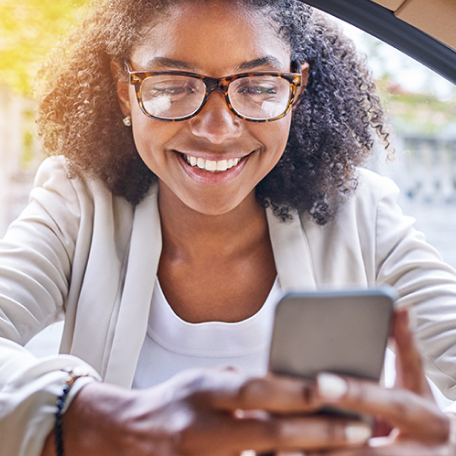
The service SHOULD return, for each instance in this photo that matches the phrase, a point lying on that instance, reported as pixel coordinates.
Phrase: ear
(302, 87)
(122, 86)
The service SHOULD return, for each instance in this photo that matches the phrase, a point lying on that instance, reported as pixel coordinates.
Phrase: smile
(211, 165)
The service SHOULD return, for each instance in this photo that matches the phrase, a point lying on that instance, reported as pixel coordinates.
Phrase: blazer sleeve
(425, 284)
(35, 271)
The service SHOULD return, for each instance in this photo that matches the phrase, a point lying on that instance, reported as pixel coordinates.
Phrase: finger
(271, 434)
(409, 365)
(387, 447)
(230, 390)
(273, 393)
(414, 415)
(381, 428)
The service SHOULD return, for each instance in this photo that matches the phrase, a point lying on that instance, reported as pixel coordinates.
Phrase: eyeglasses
(177, 95)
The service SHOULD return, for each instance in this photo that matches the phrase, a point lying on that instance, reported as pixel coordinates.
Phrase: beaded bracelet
(72, 377)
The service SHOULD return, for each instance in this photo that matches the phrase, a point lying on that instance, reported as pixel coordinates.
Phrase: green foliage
(417, 113)
(29, 29)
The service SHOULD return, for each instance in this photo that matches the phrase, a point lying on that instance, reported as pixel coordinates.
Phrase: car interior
(422, 29)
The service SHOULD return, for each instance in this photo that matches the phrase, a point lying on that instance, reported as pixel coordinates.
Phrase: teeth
(212, 165)
(222, 165)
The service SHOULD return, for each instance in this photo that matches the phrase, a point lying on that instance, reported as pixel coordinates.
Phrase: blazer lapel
(131, 325)
(291, 253)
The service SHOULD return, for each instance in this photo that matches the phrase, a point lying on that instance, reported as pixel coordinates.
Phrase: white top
(172, 344)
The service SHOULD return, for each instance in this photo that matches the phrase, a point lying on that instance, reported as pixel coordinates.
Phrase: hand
(203, 412)
(419, 427)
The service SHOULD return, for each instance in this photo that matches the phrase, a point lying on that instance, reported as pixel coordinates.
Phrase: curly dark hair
(332, 129)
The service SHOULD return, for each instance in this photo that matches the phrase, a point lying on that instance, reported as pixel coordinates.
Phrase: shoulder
(373, 196)
(367, 219)
(54, 175)
(372, 187)
(360, 206)
(368, 211)
(375, 201)
(372, 193)
(57, 188)
(56, 182)
(76, 201)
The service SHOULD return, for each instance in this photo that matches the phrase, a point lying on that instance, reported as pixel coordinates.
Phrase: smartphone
(343, 332)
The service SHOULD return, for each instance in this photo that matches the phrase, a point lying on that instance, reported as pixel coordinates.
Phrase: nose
(216, 122)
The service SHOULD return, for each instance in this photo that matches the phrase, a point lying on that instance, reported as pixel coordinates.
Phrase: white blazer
(81, 253)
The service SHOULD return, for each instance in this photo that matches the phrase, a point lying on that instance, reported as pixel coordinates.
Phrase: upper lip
(215, 156)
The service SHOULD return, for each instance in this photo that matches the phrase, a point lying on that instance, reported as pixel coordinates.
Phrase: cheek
(276, 137)
(146, 143)
(151, 137)
(147, 134)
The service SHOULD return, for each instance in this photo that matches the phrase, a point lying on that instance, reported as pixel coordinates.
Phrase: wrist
(92, 421)
(74, 383)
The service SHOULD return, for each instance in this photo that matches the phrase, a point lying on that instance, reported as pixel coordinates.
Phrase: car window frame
(384, 25)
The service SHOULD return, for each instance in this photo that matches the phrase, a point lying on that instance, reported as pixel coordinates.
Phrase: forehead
(213, 37)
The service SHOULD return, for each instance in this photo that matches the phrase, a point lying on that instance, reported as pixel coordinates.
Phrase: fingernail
(357, 433)
(331, 386)
(248, 453)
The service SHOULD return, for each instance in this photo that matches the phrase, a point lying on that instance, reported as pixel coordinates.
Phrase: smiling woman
(208, 156)
(323, 112)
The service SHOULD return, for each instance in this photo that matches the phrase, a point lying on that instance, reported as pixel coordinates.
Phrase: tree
(29, 29)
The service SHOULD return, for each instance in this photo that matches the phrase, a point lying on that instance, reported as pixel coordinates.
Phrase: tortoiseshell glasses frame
(137, 78)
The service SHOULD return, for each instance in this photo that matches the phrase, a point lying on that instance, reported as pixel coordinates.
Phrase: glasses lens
(172, 96)
(260, 97)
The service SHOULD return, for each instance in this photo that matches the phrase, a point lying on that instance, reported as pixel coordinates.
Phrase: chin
(213, 207)
(211, 210)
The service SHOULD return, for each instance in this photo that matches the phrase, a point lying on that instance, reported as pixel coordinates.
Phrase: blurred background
(420, 106)
(29, 29)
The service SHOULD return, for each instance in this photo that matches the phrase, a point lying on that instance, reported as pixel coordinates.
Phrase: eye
(174, 88)
(171, 89)
(257, 89)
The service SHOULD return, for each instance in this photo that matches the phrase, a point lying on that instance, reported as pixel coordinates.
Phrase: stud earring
(127, 121)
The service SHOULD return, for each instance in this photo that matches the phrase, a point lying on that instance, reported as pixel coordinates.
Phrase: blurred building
(20, 154)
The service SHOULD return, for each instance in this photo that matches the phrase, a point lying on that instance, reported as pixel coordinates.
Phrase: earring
(127, 121)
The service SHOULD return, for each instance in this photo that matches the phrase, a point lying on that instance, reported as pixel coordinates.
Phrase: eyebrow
(268, 61)
(164, 62)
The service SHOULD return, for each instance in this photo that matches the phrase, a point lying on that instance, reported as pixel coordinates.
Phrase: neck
(190, 234)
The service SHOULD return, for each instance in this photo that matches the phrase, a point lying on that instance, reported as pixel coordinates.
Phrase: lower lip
(212, 178)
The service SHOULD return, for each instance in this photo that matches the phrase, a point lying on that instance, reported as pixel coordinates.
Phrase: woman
(176, 201)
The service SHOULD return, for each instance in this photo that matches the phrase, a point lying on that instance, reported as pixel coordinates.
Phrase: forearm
(95, 423)
(28, 391)
(425, 284)
(49, 445)
(193, 414)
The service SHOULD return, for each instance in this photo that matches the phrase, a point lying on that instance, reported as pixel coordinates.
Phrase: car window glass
(420, 109)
